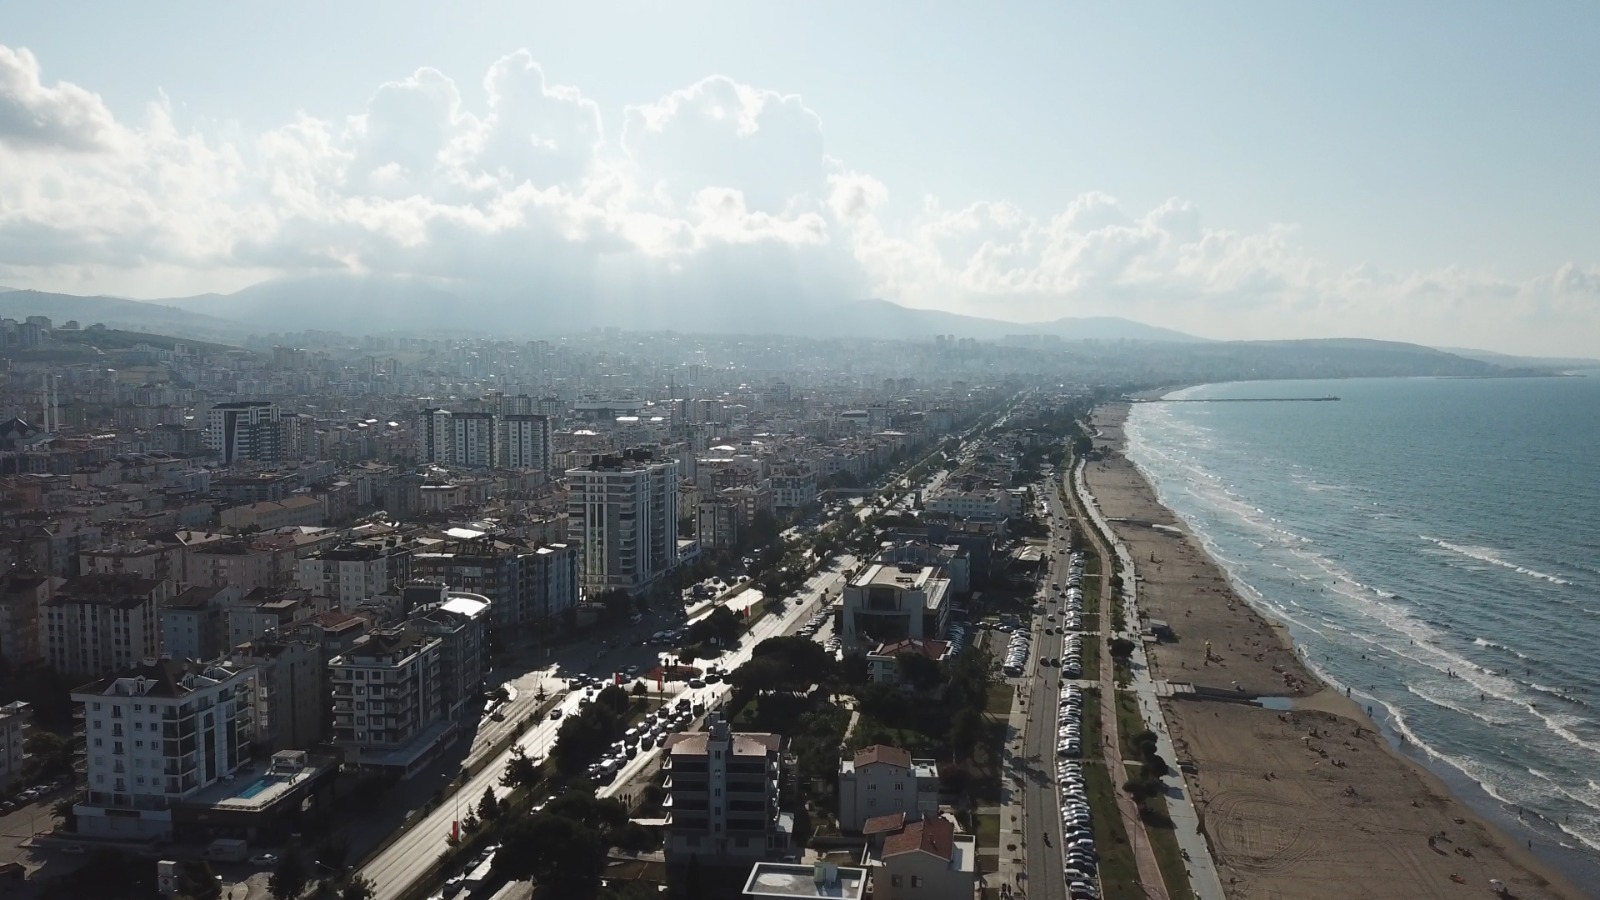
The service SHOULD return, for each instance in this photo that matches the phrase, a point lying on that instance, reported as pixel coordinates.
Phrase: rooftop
(769, 879)
(933, 836)
(697, 743)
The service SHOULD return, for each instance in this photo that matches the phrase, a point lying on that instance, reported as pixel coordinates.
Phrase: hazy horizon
(1419, 174)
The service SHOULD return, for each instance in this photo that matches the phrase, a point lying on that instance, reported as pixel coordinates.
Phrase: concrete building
(16, 718)
(271, 515)
(388, 714)
(461, 623)
(194, 623)
(883, 666)
(794, 487)
(525, 442)
(924, 860)
(98, 624)
(880, 781)
(887, 603)
(526, 587)
(155, 734)
(622, 513)
(22, 597)
(793, 881)
(474, 439)
(350, 574)
(724, 815)
(435, 436)
(289, 691)
(246, 431)
(261, 613)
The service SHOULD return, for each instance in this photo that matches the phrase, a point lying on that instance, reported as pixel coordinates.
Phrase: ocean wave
(1502, 648)
(1559, 694)
(1492, 557)
(1451, 705)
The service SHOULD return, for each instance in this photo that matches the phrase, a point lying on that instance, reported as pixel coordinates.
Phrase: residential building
(234, 563)
(525, 442)
(794, 487)
(156, 733)
(435, 436)
(194, 623)
(474, 439)
(923, 860)
(332, 632)
(461, 623)
(22, 596)
(883, 661)
(98, 624)
(881, 780)
(352, 573)
(288, 691)
(387, 711)
(886, 603)
(273, 514)
(262, 612)
(622, 513)
(16, 718)
(793, 881)
(717, 522)
(247, 431)
(525, 587)
(723, 787)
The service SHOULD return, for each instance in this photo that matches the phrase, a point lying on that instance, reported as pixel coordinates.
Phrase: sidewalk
(1203, 878)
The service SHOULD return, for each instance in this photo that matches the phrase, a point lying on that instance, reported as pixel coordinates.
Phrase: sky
(1425, 171)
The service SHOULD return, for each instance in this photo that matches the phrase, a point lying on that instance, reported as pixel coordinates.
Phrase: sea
(1432, 544)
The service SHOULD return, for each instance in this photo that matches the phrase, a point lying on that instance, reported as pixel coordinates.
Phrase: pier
(1241, 400)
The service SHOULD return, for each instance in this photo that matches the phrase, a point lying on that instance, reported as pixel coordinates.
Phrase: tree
(521, 771)
(359, 887)
(564, 856)
(196, 881)
(289, 880)
(917, 670)
(1121, 648)
(639, 690)
(721, 626)
(488, 807)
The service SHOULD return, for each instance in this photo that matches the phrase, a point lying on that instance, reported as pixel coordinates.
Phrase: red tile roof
(882, 753)
(935, 836)
(884, 824)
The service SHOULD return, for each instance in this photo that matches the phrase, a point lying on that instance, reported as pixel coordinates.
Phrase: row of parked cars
(1079, 861)
(817, 620)
(650, 734)
(30, 794)
(1016, 654)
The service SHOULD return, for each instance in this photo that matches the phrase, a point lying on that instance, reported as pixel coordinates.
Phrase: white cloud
(715, 196)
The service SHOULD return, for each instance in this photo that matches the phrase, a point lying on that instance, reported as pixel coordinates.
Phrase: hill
(117, 313)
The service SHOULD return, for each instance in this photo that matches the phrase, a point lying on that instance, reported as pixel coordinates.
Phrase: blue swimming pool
(256, 787)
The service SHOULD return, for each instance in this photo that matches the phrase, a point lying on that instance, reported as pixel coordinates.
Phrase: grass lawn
(1000, 700)
(1091, 722)
(1091, 658)
(1169, 857)
(988, 830)
(1129, 723)
(1091, 588)
(1119, 874)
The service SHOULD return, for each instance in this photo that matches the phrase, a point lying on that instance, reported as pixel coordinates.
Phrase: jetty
(1237, 400)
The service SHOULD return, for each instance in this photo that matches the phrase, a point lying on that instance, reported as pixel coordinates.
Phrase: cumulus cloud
(716, 199)
(36, 117)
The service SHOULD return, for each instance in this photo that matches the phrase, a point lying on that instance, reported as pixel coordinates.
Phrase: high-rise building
(15, 720)
(157, 733)
(99, 624)
(622, 513)
(435, 436)
(250, 430)
(289, 697)
(525, 441)
(474, 439)
(388, 713)
(725, 816)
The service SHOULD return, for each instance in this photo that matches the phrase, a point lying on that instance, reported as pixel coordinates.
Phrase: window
(916, 881)
(899, 785)
(897, 881)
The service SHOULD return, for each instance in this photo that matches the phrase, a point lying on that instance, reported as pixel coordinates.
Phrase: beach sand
(1309, 803)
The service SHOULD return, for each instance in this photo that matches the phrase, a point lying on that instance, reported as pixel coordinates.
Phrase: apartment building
(262, 612)
(194, 623)
(246, 431)
(461, 623)
(794, 487)
(98, 624)
(156, 733)
(388, 713)
(270, 515)
(435, 436)
(724, 789)
(473, 440)
(923, 860)
(289, 691)
(233, 563)
(16, 718)
(883, 661)
(524, 442)
(525, 586)
(22, 597)
(622, 514)
(887, 603)
(880, 781)
(352, 573)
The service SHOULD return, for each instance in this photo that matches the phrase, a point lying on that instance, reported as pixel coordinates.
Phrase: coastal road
(1203, 878)
(1041, 807)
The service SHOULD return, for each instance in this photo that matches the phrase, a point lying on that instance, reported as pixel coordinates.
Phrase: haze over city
(1421, 174)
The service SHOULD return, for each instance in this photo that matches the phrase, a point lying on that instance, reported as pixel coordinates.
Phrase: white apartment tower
(158, 733)
(249, 430)
(622, 513)
(435, 436)
(99, 624)
(474, 439)
(525, 441)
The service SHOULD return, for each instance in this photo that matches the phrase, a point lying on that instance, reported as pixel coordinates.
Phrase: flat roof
(789, 880)
(259, 788)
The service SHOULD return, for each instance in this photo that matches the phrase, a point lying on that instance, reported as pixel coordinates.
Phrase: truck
(228, 850)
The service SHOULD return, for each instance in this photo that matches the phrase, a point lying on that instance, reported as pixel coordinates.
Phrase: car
(264, 859)
(73, 849)
(696, 683)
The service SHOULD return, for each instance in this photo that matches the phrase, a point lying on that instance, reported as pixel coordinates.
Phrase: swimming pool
(256, 787)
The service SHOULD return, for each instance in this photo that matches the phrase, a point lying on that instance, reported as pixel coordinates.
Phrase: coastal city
(626, 615)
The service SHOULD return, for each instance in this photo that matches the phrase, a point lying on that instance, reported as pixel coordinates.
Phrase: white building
(388, 713)
(794, 487)
(723, 788)
(461, 623)
(972, 504)
(157, 734)
(15, 720)
(924, 860)
(525, 442)
(473, 441)
(99, 624)
(882, 781)
(351, 574)
(887, 603)
(247, 430)
(622, 514)
(435, 436)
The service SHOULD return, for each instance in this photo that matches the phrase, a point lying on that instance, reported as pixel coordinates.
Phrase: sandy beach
(1309, 802)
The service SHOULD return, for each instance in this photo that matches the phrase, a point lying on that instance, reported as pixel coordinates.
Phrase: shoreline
(1313, 801)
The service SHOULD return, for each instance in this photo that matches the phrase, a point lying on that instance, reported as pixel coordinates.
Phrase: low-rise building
(887, 603)
(923, 860)
(883, 661)
(881, 780)
(271, 514)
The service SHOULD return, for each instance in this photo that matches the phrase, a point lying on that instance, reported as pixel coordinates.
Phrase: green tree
(289, 880)
(564, 856)
(521, 770)
(359, 887)
(488, 807)
(917, 670)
